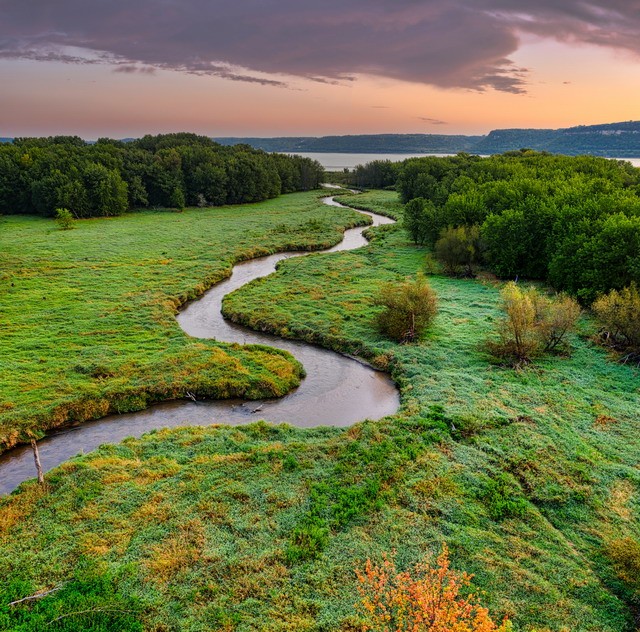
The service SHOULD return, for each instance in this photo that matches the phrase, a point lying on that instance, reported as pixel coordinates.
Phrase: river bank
(337, 390)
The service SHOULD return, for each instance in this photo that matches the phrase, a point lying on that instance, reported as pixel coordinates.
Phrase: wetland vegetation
(88, 313)
(529, 476)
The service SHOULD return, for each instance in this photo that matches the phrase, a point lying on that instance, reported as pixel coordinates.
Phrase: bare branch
(37, 595)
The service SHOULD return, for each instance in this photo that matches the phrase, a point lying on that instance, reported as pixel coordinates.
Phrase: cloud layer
(447, 43)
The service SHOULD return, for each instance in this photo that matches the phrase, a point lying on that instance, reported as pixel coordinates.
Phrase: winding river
(338, 390)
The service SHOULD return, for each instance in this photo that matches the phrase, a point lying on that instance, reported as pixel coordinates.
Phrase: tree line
(40, 175)
(571, 221)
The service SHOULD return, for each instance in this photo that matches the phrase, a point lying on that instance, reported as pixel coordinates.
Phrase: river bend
(337, 391)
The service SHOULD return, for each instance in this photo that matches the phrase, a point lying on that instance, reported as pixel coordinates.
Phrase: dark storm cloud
(448, 43)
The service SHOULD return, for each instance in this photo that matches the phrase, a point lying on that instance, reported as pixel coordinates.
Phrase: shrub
(64, 219)
(409, 308)
(625, 556)
(307, 541)
(459, 249)
(555, 318)
(619, 313)
(518, 339)
(426, 598)
(533, 324)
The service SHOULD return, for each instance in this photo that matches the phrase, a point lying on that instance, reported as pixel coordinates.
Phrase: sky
(122, 68)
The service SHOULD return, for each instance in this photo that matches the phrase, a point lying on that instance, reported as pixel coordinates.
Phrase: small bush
(518, 339)
(459, 250)
(64, 219)
(290, 463)
(555, 318)
(307, 542)
(409, 309)
(625, 557)
(533, 324)
(619, 314)
(425, 598)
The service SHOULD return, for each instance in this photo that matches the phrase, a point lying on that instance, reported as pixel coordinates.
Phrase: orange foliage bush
(427, 600)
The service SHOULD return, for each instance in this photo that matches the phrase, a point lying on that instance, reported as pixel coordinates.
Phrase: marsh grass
(222, 527)
(260, 527)
(87, 315)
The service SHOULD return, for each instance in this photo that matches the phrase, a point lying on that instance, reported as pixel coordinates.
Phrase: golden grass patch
(176, 552)
(16, 508)
(620, 495)
(604, 421)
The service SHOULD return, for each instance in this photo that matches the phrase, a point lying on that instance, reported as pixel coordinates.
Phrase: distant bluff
(612, 139)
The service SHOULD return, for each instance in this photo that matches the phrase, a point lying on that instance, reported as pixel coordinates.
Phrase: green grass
(87, 314)
(195, 528)
(329, 299)
(531, 477)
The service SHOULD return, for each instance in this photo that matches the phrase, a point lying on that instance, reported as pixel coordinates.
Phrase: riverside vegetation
(529, 476)
(41, 175)
(88, 314)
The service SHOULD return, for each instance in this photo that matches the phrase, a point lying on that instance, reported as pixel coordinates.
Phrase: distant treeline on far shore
(616, 140)
(41, 175)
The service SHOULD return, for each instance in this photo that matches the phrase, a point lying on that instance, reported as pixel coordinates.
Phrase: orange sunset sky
(297, 68)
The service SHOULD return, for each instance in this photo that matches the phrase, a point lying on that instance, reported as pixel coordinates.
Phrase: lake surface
(337, 391)
(338, 162)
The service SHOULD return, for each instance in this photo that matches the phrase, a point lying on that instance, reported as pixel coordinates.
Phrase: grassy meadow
(531, 477)
(87, 315)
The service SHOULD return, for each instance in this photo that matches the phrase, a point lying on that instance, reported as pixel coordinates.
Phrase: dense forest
(571, 221)
(40, 175)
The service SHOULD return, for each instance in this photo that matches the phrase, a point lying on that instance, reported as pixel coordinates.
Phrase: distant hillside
(613, 139)
(617, 140)
(621, 140)
(365, 143)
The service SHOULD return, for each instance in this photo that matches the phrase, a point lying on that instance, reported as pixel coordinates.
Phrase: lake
(338, 162)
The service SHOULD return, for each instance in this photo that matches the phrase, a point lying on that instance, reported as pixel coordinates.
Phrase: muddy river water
(337, 391)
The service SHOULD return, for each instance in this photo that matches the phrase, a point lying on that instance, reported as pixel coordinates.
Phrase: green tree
(106, 191)
(176, 199)
(409, 308)
(595, 257)
(459, 250)
(46, 192)
(420, 221)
